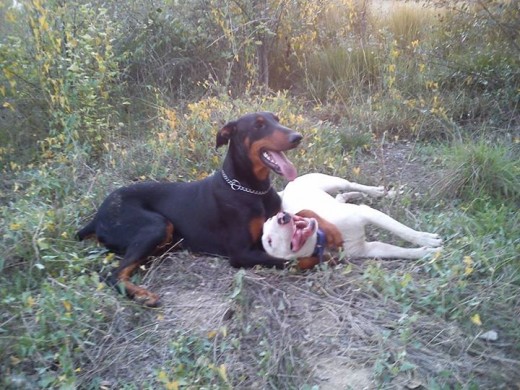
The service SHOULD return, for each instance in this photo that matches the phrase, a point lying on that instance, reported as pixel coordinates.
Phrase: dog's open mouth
(279, 164)
(303, 228)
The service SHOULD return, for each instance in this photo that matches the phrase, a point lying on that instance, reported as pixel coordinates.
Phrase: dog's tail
(87, 231)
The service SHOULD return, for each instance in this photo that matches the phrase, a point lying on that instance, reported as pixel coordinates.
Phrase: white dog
(291, 237)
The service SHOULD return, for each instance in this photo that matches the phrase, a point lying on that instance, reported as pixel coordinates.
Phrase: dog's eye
(260, 122)
(269, 241)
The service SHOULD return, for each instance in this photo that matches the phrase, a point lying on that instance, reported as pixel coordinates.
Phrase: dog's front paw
(377, 192)
(388, 193)
(147, 298)
(430, 240)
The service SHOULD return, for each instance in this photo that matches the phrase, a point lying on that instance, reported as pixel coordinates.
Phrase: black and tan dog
(222, 214)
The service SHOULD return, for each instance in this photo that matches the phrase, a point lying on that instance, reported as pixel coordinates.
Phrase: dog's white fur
(313, 192)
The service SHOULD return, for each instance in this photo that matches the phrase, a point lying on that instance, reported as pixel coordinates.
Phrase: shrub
(69, 72)
(339, 73)
(481, 169)
(407, 22)
(476, 58)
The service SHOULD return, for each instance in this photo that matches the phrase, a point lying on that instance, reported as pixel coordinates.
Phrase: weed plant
(481, 170)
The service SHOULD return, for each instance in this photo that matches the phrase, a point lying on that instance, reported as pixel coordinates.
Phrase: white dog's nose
(283, 218)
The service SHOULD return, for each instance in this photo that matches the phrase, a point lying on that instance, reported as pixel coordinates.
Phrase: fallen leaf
(476, 319)
(67, 305)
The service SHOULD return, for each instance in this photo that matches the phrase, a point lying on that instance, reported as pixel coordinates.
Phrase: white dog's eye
(269, 241)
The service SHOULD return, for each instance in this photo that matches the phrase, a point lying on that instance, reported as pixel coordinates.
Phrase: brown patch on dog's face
(266, 154)
(263, 140)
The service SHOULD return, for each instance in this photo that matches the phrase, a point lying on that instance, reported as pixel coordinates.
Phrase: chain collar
(236, 186)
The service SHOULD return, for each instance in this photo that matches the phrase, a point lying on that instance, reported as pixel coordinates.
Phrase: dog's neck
(237, 186)
(239, 175)
(319, 249)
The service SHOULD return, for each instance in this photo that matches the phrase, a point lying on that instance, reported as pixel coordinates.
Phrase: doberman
(222, 214)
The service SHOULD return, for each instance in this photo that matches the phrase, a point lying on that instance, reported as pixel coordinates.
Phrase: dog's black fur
(208, 215)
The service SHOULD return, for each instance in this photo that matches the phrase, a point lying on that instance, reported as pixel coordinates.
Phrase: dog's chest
(298, 198)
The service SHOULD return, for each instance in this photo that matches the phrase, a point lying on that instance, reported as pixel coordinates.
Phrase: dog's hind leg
(386, 222)
(383, 250)
(145, 243)
(332, 184)
(88, 231)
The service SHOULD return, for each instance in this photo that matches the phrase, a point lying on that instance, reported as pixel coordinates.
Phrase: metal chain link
(236, 186)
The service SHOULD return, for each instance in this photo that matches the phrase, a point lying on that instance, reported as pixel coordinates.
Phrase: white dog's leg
(386, 222)
(331, 184)
(346, 197)
(383, 250)
(374, 192)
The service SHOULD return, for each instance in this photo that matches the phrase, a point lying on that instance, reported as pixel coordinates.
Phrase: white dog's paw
(377, 192)
(430, 251)
(347, 197)
(390, 194)
(431, 240)
(380, 192)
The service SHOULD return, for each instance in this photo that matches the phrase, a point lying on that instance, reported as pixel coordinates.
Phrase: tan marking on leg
(137, 293)
(168, 236)
(312, 261)
(255, 228)
(307, 262)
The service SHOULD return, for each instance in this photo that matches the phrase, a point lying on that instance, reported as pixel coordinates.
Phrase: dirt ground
(288, 329)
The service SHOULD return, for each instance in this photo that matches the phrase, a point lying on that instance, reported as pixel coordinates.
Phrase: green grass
(481, 169)
(407, 23)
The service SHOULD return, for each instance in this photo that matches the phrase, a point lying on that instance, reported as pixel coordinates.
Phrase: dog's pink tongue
(304, 228)
(287, 168)
(297, 240)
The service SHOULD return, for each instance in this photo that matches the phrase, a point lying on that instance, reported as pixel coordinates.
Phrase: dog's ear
(225, 133)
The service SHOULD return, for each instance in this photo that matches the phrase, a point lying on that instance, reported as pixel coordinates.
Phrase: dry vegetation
(334, 328)
(288, 330)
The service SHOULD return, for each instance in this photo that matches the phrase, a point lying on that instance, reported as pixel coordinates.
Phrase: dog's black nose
(295, 138)
(284, 218)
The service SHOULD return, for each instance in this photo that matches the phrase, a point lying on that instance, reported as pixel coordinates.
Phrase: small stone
(490, 335)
